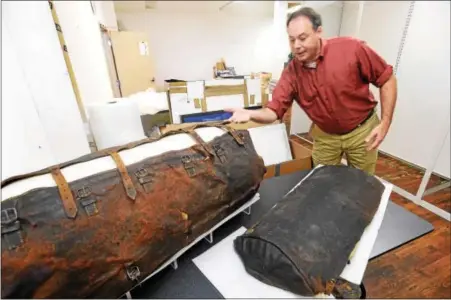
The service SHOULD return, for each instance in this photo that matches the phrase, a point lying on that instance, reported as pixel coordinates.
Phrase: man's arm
(388, 94)
(283, 94)
(264, 115)
(375, 70)
(241, 115)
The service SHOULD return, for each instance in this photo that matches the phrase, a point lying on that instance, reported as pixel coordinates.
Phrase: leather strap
(106, 152)
(277, 170)
(200, 141)
(126, 180)
(70, 207)
(329, 286)
(236, 136)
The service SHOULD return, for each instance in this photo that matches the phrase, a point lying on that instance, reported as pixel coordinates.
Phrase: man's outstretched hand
(240, 115)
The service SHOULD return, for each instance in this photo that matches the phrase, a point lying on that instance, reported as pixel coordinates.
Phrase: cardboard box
(221, 88)
(237, 126)
(302, 160)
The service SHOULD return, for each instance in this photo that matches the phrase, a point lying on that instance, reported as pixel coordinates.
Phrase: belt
(363, 122)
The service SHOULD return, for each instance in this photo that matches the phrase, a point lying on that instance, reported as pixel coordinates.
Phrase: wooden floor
(421, 268)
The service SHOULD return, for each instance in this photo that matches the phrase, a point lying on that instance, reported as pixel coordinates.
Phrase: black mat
(398, 227)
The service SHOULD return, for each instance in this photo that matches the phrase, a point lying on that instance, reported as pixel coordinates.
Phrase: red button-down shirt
(335, 95)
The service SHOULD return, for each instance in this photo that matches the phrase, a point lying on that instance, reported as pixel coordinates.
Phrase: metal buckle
(133, 273)
(220, 152)
(10, 228)
(188, 165)
(84, 192)
(89, 204)
(9, 220)
(186, 159)
(8, 216)
(141, 173)
(144, 178)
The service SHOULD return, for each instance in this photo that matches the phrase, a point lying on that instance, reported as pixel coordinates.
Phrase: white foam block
(224, 269)
(116, 123)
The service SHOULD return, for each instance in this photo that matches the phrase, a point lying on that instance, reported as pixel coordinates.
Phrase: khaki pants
(328, 149)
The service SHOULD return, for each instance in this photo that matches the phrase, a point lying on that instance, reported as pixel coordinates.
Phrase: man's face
(304, 40)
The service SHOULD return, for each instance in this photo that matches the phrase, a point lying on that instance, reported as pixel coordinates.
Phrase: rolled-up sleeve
(283, 94)
(373, 67)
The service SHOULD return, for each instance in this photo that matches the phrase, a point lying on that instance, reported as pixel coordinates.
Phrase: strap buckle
(220, 153)
(144, 178)
(133, 273)
(189, 165)
(8, 216)
(89, 203)
(10, 228)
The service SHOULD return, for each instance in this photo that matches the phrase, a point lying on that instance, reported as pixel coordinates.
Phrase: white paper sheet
(271, 143)
(356, 269)
(195, 89)
(182, 105)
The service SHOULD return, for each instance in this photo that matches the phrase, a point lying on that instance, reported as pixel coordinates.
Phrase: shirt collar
(323, 44)
(313, 64)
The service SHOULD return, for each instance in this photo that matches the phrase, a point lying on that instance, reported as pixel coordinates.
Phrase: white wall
(41, 124)
(443, 163)
(187, 45)
(422, 115)
(331, 15)
(24, 144)
(349, 19)
(84, 43)
(105, 14)
(423, 112)
(281, 47)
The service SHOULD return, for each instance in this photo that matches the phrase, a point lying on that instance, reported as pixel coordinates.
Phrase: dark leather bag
(304, 242)
(97, 237)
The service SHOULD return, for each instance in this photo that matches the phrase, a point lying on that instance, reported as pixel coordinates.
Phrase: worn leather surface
(303, 243)
(112, 235)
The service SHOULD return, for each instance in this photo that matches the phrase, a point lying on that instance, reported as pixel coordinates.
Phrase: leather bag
(304, 242)
(101, 235)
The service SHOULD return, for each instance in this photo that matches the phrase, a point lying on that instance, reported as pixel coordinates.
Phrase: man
(329, 79)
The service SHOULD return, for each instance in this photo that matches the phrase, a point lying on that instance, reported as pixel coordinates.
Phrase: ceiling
(255, 7)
